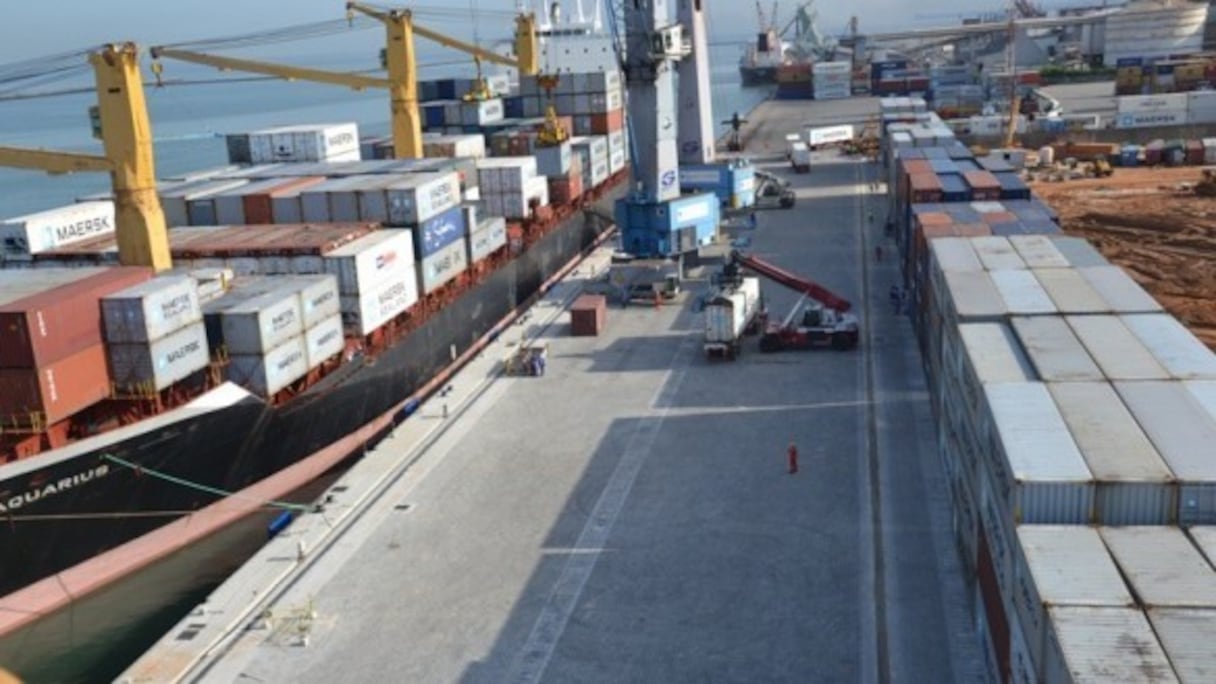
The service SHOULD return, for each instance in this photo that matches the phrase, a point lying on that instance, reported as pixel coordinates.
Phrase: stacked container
(377, 279)
(510, 184)
(486, 237)
(155, 335)
(22, 236)
(592, 152)
(832, 80)
(595, 100)
(306, 143)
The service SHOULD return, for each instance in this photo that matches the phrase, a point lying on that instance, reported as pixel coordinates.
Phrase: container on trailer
(160, 363)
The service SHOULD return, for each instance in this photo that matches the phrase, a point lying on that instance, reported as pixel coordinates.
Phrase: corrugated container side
(1105, 644)
(262, 322)
(324, 340)
(267, 375)
(1056, 353)
(1186, 636)
(151, 310)
(161, 363)
(370, 260)
(441, 267)
(490, 236)
(373, 307)
(318, 297)
(1173, 346)
(56, 390)
(1116, 351)
(439, 231)
(1162, 566)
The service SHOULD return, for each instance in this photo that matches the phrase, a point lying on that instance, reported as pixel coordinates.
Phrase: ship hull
(105, 504)
(757, 75)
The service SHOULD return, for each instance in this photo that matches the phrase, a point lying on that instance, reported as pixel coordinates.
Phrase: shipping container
(1163, 568)
(1053, 349)
(324, 340)
(1038, 251)
(369, 261)
(973, 296)
(139, 367)
(280, 206)
(1181, 431)
(1116, 351)
(268, 374)
(1133, 486)
(318, 296)
(176, 202)
(150, 310)
(1122, 293)
(1186, 636)
(1079, 252)
(54, 228)
(43, 327)
(257, 319)
(55, 390)
(305, 143)
(1021, 292)
(1173, 346)
(441, 267)
(421, 197)
(1069, 292)
(1103, 644)
(439, 231)
(380, 302)
(993, 354)
(509, 174)
(490, 236)
(553, 160)
(996, 253)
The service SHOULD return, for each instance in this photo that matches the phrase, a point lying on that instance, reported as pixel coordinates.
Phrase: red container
(258, 206)
(588, 314)
(994, 217)
(284, 239)
(55, 391)
(1194, 152)
(984, 186)
(603, 124)
(924, 187)
(565, 189)
(41, 329)
(973, 229)
(1153, 152)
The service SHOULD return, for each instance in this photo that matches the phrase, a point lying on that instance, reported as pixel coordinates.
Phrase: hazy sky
(32, 29)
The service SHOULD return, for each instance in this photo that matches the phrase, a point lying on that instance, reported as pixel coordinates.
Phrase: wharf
(629, 517)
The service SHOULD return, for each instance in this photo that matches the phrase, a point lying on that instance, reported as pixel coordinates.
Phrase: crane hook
(157, 69)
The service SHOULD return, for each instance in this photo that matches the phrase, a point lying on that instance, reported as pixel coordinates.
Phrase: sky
(33, 29)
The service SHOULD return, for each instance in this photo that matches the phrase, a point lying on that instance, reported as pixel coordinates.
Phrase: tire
(769, 344)
(840, 342)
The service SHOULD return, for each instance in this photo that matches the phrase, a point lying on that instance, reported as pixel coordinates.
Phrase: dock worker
(751, 220)
(792, 455)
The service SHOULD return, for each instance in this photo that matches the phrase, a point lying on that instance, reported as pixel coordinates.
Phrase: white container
(54, 228)
(1173, 117)
(482, 112)
(1209, 147)
(993, 354)
(1069, 292)
(1182, 432)
(729, 311)
(1129, 104)
(1038, 251)
(159, 364)
(344, 204)
(371, 260)
(1061, 565)
(490, 236)
(322, 142)
(954, 254)
(422, 196)
(537, 189)
(314, 200)
(1173, 346)
(262, 322)
(1162, 566)
(996, 253)
(176, 202)
(501, 175)
(1056, 353)
(974, 297)
(1022, 293)
(1079, 252)
(1091, 644)
(597, 81)
(318, 296)
(267, 375)
(1038, 470)
(468, 145)
(603, 103)
(324, 340)
(1047, 155)
(1120, 291)
(371, 308)
(1186, 636)
(616, 161)
(442, 266)
(1116, 351)
(553, 160)
(151, 309)
(1133, 485)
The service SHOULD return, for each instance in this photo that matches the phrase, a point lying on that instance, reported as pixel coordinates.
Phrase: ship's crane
(825, 319)
(400, 62)
(126, 135)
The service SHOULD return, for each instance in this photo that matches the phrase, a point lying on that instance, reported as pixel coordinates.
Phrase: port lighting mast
(126, 134)
(696, 100)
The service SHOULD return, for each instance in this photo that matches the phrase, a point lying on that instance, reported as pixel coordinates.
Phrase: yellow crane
(400, 62)
(126, 135)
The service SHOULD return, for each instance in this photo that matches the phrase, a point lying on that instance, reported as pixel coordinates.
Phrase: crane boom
(291, 73)
(51, 161)
(794, 282)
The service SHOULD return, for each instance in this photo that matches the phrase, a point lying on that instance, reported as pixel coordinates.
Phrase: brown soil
(1149, 222)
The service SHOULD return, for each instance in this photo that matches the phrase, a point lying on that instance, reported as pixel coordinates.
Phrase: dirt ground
(1149, 222)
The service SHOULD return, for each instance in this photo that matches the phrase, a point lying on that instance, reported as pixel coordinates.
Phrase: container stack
(489, 235)
(595, 100)
(510, 184)
(832, 80)
(154, 334)
(52, 356)
(310, 143)
(435, 145)
(23, 236)
(592, 152)
(377, 279)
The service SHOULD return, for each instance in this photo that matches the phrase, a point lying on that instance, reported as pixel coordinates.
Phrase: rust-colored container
(924, 187)
(972, 229)
(934, 218)
(565, 189)
(56, 390)
(603, 124)
(1194, 152)
(286, 239)
(984, 186)
(259, 206)
(992, 218)
(588, 314)
(41, 329)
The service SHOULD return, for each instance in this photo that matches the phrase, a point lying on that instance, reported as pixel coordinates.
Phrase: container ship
(317, 293)
(761, 59)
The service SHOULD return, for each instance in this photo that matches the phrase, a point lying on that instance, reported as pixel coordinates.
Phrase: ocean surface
(98, 637)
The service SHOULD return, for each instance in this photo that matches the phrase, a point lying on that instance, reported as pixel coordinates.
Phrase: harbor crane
(126, 134)
(400, 63)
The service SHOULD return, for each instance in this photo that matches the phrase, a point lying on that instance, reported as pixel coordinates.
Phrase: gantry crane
(400, 62)
(126, 135)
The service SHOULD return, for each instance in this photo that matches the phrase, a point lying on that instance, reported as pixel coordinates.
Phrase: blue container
(994, 164)
(438, 232)
(963, 213)
(954, 189)
(912, 153)
(1129, 61)
(742, 179)
(428, 91)
(941, 166)
(1129, 155)
(958, 151)
(1012, 186)
(969, 164)
(936, 153)
(1042, 227)
(1007, 229)
(655, 229)
(445, 89)
(513, 107)
(432, 115)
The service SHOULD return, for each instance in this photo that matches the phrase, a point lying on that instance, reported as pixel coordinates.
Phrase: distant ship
(758, 65)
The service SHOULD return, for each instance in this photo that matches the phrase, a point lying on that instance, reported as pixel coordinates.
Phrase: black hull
(236, 446)
(756, 76)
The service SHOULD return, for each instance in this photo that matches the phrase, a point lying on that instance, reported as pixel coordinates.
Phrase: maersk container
(160, 363)
(441, 267)
(1186, 636)
(54, 228)
(1069, 292)
(262, 322)
(305, 143)
(177, 203)
(150, 310)
(1022, 293)
(1116, 351)
(422, 196)
(1162, 566)
(1061, 565)
(1182, 432)
(1119, 290)
(369, 261)
(324, 340)
(498, 175)
(1133, 486)
(1103, 644)
(1173, 346)
(318, 296)
(1057, 354)
(379, 303)
(438, 232)
(268, 374)
(1037, 473)
(490, 236)
(344, 204)
(481, 112)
